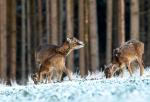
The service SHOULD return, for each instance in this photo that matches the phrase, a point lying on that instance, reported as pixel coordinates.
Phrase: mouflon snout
(34, 77)
(108, 72)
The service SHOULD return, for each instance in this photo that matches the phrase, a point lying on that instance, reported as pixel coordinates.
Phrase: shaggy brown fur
(124, 55)
(52, 59)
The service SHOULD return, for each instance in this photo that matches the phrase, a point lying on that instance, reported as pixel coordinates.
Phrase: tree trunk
(34, 33)
(29, 36)
(81, 37)
(93, 35)
(54, 21)
(142, 20)
(3, 41)
(48, 20)
(61, 20)
(86, 36)
(13, 41)
(115, 24)
(109, 31)
(23, 49)
(69, 5)
(40, 24)
(142, 23)
(121, 22)
(148, 36)
(134, 19)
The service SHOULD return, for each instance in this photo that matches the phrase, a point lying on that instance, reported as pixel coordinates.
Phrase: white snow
(95, 88)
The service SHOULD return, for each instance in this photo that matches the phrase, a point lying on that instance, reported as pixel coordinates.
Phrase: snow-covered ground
(127, 89)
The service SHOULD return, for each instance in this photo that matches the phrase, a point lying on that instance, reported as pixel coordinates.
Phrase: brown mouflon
(128, 52)
(51, 58)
